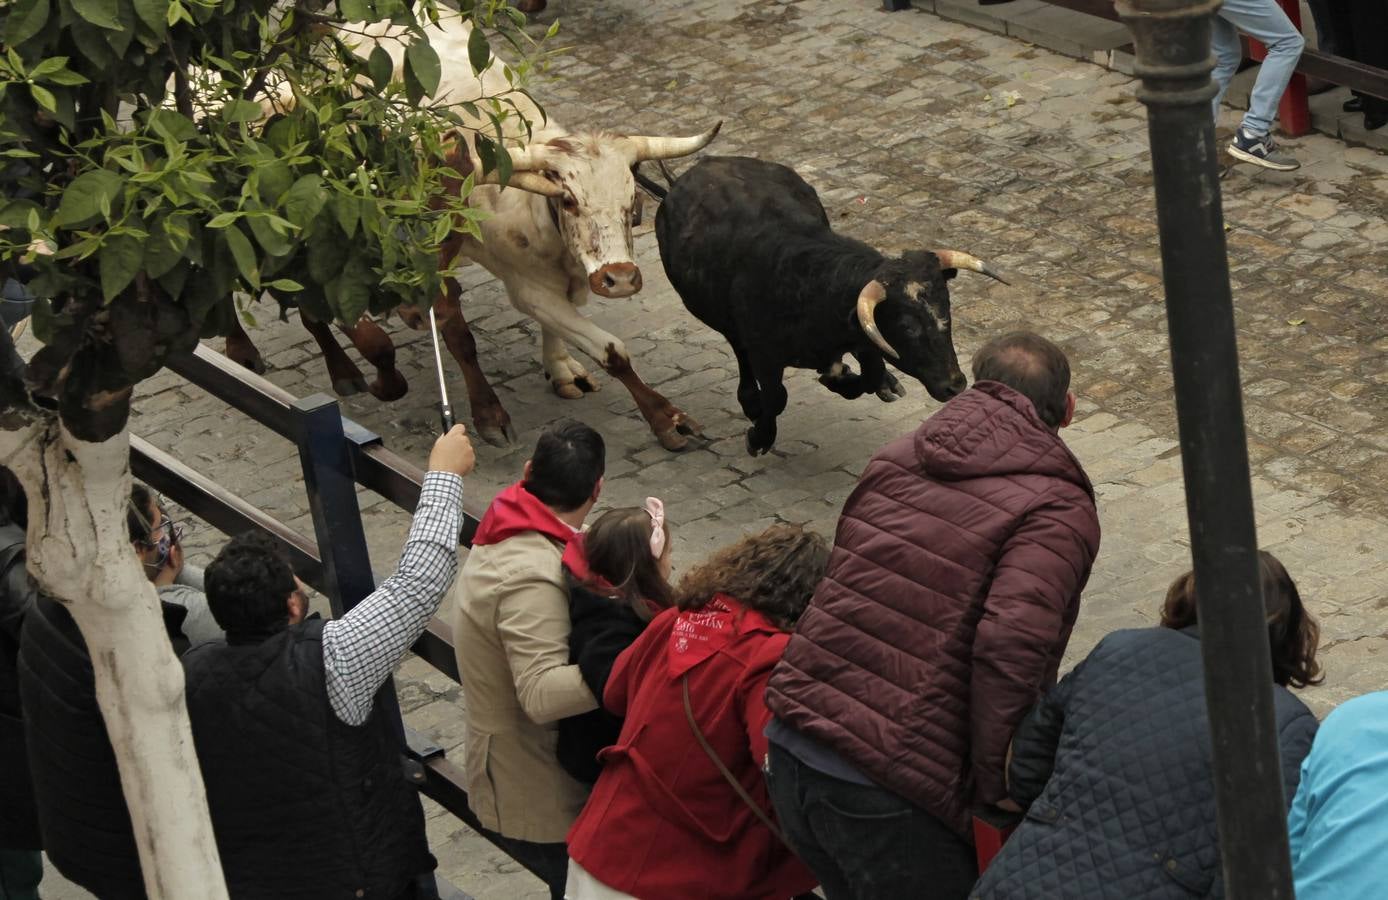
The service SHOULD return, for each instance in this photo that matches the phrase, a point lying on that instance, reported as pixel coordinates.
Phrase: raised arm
(362, 648)
(1026, 616)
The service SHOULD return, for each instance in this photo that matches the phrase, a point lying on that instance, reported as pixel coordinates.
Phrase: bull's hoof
(389, 386)
(671, 439)
(569, 391)
(350, 387)
(754, 447)
(495, 429)
(891, 390)
(588, 384)
(686, 424)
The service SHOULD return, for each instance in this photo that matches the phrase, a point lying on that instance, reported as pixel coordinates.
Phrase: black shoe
(1353, 104)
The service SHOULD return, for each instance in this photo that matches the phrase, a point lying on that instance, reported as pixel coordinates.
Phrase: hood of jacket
(515, 511)
(992, 430)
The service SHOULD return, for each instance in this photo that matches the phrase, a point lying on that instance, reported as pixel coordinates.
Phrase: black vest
(82, 815)
(303, 805)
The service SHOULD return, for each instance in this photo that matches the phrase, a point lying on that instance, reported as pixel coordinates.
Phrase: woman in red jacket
(665, 821)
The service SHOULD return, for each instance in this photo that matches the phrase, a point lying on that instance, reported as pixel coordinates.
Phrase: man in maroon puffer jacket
(951, 593)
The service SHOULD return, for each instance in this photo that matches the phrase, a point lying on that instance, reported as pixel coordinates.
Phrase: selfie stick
(445, 411)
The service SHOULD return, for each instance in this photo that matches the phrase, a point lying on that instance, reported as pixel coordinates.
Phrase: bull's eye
(569, 203)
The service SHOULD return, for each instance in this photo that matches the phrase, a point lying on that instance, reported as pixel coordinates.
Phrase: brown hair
(1030, 365)
(774, 573)
(1292, 631)
(618, 548)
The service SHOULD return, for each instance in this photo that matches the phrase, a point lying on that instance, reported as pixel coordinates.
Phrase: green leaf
(119, 258)
(44, 97)
(48, 67)
(285, 284)
(222, 220)
(350, 292)
(304, 201)
(241, 111)
(381, 67)
(244, 254)
(272, 241)
(355, 10)
(347, 210)
(164, 249)
(101, 13)
(24, 20)
(327, 252)
(84, 199)
(423, 61)
(66, 77)
(92, 42)
(479, 52)
(154, 13)
(120, 37)
(172, 126)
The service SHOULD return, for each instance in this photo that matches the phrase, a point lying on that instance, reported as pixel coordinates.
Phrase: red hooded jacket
(662, 823)
(953, 586)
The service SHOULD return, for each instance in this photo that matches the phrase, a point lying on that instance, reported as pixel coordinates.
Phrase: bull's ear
(947, 274)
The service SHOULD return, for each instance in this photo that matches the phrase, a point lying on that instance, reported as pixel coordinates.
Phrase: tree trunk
(79, 553)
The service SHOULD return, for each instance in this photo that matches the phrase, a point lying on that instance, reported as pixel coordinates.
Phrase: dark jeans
(20, 874)
(866, 843)
(548, 862)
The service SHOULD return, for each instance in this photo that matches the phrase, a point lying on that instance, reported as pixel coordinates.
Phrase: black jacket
(602, 629)
(19, 825)
(303, 805)
(1114, 768)
(81, 809)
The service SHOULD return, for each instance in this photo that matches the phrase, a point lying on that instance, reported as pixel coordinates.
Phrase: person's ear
(525, 472)
(1069, 409)
(597, 490)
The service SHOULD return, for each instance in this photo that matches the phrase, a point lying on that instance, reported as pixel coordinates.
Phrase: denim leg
(783, 780)
(1265, 21)
(1228, 53)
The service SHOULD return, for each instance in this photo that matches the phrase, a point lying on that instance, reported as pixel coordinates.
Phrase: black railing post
(1172, 40)
(326, 458)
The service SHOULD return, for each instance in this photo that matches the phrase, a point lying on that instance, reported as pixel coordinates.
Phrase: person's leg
(1265, 21)
(885, 846)
(20, 874)
(1228, 53)
(783, 780)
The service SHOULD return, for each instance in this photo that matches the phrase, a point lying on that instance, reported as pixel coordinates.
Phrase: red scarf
(515, 511)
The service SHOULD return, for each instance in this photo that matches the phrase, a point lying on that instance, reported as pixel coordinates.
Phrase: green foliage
(158, 157)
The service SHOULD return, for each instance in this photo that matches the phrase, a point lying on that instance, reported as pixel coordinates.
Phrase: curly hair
(774, 573)
(1293, 632)
(248, 585)
(618, 548)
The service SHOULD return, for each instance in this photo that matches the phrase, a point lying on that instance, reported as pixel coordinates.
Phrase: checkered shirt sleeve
(362, 648)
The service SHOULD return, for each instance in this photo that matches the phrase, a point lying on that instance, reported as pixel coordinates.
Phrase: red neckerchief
(700, 633)
(515, 511)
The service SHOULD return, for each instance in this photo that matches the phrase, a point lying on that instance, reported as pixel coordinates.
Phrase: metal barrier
(336, 455)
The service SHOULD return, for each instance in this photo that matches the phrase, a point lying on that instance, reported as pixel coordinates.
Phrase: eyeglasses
(163, 538)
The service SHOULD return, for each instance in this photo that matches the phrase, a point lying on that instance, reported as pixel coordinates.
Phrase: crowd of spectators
(791, 714)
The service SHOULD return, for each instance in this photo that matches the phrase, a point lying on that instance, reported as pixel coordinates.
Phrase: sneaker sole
(1244, 155)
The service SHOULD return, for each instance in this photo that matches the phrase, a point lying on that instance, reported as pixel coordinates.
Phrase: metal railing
(336, 454)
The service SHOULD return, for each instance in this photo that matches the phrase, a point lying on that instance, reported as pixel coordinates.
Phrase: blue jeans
(1262, 20)
(864, 842)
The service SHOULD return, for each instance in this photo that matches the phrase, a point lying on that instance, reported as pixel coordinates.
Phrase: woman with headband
(680, 810)
(619, 579)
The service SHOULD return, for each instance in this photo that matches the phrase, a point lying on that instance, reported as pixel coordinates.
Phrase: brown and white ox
(559, 231)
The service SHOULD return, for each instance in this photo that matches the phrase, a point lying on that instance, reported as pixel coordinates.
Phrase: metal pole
(1172, 39)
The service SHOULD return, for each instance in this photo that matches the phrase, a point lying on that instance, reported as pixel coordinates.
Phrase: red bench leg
(1293, 111)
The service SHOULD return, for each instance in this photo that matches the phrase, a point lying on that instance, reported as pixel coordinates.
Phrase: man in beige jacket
(511, 636)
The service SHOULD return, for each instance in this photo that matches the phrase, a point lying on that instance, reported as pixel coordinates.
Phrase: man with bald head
(953, 586)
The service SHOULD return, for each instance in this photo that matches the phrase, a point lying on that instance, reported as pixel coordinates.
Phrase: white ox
(561, 230)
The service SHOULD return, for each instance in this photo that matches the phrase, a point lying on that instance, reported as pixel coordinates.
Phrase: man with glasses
(158, 543)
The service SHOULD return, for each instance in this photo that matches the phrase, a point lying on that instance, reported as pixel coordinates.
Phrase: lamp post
(1172, 39)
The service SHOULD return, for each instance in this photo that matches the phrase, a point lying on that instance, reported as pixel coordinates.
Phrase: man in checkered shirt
(305, 785)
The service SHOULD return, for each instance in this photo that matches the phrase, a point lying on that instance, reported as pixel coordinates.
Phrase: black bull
(748, 246)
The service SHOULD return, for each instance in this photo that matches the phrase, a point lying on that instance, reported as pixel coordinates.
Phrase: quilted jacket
(952, 589)
(1114, 769)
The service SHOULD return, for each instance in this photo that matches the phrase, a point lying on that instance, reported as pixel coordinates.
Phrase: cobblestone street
(917, 132)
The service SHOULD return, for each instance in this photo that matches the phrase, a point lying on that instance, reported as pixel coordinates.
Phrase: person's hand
(172, 566)
(453, 453)
(1007, 804)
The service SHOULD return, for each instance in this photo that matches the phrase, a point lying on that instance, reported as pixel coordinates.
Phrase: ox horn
(957, 259)
(873, 294)
(525, 181)
(652, 148)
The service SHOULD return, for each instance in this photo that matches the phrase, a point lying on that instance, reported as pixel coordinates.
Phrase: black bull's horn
(875, 292)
